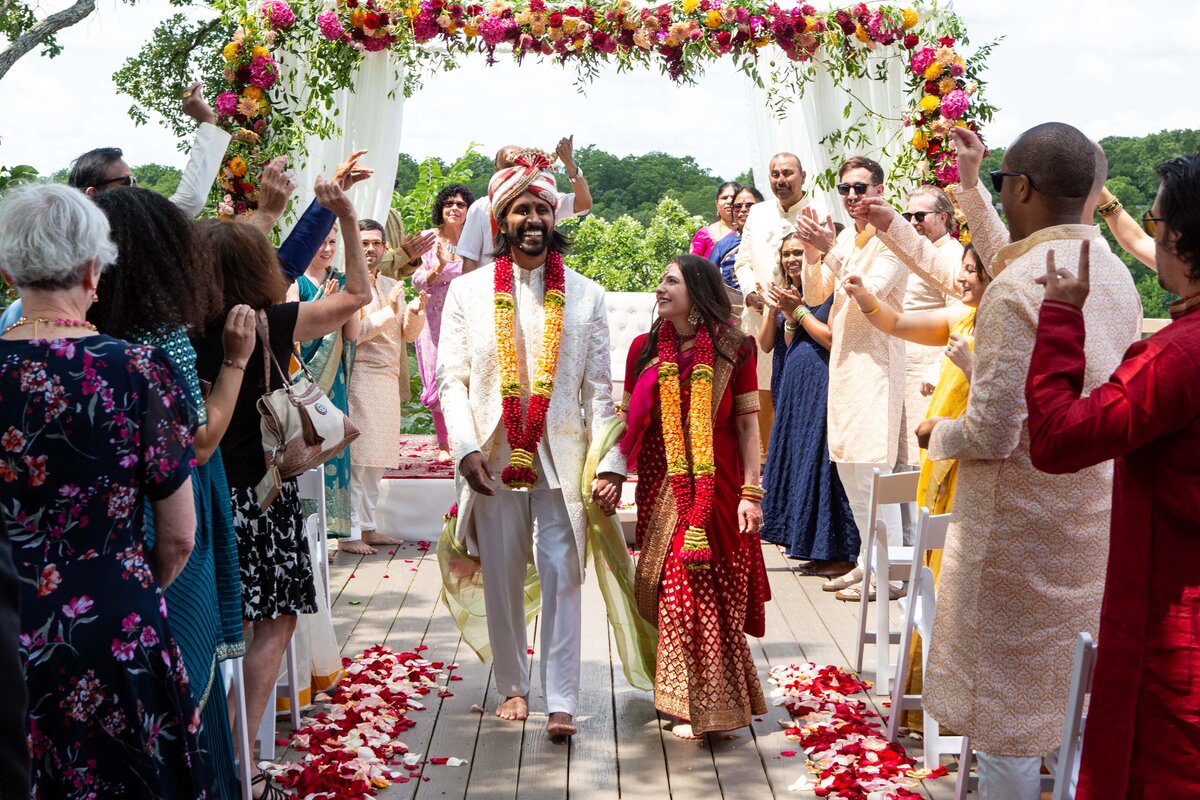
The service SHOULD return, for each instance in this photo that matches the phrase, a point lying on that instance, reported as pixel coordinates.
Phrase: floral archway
(286, 61)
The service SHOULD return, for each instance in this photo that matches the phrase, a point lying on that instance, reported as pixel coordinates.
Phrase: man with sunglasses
(1023, 570)
(866, 365)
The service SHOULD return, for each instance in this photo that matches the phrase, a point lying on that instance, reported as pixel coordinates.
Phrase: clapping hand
(785, 298)
(1061, 285)
(820, 235)
(331, 287)
(418, 244)
(970, 151)
(349, 172)
(417, 304)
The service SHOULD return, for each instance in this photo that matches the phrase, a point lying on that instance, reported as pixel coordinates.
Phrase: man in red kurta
(1143, 728)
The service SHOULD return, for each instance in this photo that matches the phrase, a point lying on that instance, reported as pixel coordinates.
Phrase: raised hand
(853, 286)
(330, 195)
(418, 244)
(238, 335)
(876, 211)
(566, 152)
(785, 298)
(331, 287)
(349, 172)
(275, 187)
(195, 106)
(970, 151)
(396, 296)
(1061, 285)
(417, 304)
(960, 354)
(821, 235)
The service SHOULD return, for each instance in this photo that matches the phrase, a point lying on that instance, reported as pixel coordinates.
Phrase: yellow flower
(470, 32)
(248, 107)
(358, 17)
(713, 19)
(933, 71)
(260, 52)
(964, 237)
(237, 165)
(946, 86)
(497, 8)
(523, 18)
(231, 50)
(690, 6)
(252, 92)
(263, 107)
(930, 102)
(861, 34)
(919, 140)
(910, 18)
(570, 25)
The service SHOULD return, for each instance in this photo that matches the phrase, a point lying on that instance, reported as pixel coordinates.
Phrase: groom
(523, 376)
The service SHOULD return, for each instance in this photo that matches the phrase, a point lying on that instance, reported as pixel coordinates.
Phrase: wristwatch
(578, 174)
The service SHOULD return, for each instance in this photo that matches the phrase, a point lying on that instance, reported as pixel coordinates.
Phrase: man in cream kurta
(1024, 564)
(866, 366)
(546, 524)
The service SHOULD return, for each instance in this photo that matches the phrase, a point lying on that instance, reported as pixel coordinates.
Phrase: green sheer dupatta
(635, 638)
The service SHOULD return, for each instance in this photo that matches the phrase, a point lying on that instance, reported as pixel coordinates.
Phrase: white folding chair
(893, 489)
(266, 726)
(311, 486)
(1072, 740)
(231, 670)
(919, 607)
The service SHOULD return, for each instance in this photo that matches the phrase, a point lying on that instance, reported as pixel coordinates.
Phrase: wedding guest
(1125, 229)
(724, 253)
(277, 574)
(866, 366)
(95, 427)
(707, 237)
(159, 288)
(1143, 715)
(478, 240)
(805, 509)
(1006, 512)
(379, 387)
(705, 677)
(439, 266)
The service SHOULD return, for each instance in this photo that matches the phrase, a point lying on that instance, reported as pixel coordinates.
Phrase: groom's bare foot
(561, 725)
(514, 709)
(377, 538)
(355, 547)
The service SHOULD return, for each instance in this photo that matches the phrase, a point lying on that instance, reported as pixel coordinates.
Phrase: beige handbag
(301, 427)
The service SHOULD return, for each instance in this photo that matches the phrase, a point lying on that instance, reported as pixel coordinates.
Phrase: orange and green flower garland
(692, 478)
(523, 438)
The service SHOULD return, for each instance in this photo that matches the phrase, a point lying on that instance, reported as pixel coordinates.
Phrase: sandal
(854, 593)
(271, 790)
(846, 581)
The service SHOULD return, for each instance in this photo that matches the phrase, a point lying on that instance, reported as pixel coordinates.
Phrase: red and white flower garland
(844, 746)
(524, 436)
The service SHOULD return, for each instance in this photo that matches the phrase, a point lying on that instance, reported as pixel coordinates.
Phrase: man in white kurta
(1024, 563)
(866, 366)
(508, 528)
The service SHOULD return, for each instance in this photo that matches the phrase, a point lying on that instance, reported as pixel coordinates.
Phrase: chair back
(1072, 740)
(898, 487)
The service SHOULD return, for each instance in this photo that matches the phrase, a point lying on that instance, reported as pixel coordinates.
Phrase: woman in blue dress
(159, 288)
(805, 509)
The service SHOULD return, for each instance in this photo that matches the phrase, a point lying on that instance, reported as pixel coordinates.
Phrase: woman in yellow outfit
(953, 326)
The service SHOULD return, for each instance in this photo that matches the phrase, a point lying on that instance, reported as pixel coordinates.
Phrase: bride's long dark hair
(705, 286)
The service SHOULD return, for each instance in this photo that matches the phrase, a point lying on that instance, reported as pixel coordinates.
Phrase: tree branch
(43, 31)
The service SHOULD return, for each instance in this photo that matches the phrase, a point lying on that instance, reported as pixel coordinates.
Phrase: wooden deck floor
(622, 749)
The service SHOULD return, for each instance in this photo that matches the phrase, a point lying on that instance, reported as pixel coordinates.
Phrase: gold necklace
(59, 321)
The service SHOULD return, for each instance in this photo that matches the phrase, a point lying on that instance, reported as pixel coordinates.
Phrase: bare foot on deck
(444, 455)
(377, 538)
(514, 709)
(561, 726)
(356, 547)
(684, 730)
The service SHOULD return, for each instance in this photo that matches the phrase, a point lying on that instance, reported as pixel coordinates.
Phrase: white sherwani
(469, 384)
(1024, 564)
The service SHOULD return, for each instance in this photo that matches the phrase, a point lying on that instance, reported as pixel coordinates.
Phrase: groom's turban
(529, 172)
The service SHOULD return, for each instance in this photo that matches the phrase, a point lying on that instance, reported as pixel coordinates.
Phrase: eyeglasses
(738, 206)
(454, 204)
(124, 180)
(859, 188)
(919, 216)
(998, 179)
(1150, 222)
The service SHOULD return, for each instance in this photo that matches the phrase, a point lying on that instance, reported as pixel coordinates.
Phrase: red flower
(571, 11)
(555, 20)
(911, 41)
(372, 21)
(946, 41)
(537, 6)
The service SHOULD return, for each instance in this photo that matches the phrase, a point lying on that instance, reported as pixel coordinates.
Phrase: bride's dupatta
(660, 531)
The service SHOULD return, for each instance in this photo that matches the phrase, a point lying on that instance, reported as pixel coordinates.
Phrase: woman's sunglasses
(1150, 223)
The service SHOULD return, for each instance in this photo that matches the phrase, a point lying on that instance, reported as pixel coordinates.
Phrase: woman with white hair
(93, 426)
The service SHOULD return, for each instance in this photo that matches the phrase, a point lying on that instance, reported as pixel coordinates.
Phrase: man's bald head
(505, 155)
(1093, 198)
(1058, 158)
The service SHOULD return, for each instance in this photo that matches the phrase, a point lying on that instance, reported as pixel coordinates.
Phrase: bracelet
(578, 174)
(878, 303)
(800, 313)
(791, 327)
(1109, 208)
(231, 363)
(752, 493)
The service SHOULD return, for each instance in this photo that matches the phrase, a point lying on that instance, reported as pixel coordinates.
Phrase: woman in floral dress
(92, 427)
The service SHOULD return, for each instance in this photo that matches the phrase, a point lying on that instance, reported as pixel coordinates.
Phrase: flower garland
(693, 488)
(523, 438)
(844, 746)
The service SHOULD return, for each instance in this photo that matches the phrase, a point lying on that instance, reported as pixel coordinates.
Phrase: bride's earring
(694, 317)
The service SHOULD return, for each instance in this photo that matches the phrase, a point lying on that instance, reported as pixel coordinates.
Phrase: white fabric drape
(818, 112)
(370, 119)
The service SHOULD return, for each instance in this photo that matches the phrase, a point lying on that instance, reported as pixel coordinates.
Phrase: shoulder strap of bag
(264, 336)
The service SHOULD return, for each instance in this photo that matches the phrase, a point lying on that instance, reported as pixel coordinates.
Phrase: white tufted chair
(629, 314)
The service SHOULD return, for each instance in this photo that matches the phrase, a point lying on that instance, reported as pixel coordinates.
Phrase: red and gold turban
(529, 172)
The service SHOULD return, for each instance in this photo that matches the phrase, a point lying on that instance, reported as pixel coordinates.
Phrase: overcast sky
(1109, 68)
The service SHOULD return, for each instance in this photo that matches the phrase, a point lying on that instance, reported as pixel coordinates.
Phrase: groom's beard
(531, 238)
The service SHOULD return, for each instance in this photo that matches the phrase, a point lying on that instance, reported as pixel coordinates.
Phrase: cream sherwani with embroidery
(932, 283)
(469, 384)
(1024, 564)
(866, 366)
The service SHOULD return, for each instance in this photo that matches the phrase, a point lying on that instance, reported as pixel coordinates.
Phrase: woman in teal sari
(329, 360)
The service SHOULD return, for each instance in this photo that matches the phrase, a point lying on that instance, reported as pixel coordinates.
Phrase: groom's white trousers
(512, 529)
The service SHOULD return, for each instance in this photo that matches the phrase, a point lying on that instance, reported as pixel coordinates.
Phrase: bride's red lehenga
(705, 673)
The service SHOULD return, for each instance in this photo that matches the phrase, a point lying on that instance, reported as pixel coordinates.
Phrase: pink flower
(263, 72)
(278, 14)
(77, 607)
(955, 104)
(373, 44)
(122, 651)
(227, 103)
(425, 26)
(130, 622)
(957, 69)
(946, 171)
(149, 637)
(13, 440)
(330, 25)
(493, 30)
(921, 60)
